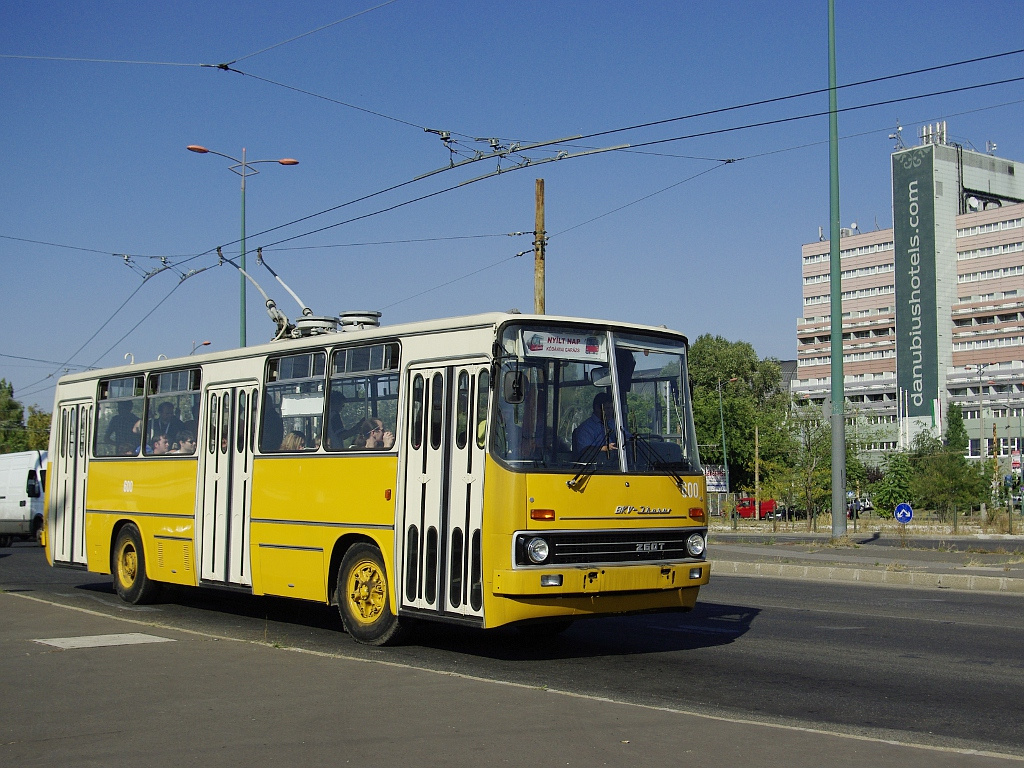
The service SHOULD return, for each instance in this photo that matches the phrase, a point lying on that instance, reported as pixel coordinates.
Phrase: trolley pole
(540, 240)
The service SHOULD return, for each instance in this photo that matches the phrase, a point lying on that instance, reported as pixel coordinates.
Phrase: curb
(967, 582)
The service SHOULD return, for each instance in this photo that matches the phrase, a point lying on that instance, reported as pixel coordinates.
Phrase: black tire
(128, 565)
(364, 598)
(5, 541)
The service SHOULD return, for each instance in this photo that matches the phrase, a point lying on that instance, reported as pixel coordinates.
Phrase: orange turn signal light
(697, 513)
(542, 514)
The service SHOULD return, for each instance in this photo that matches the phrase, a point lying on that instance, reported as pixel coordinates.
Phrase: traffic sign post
(903, 514)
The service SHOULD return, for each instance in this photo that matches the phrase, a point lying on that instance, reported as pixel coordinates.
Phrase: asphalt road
(942, 669)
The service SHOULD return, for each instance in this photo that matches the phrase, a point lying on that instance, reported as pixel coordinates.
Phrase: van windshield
(585, 398)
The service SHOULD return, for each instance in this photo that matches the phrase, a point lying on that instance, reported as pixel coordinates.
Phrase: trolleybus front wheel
(130, 580)
(364, 597)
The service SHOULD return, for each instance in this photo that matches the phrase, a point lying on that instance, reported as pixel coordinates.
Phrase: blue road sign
(904, 514)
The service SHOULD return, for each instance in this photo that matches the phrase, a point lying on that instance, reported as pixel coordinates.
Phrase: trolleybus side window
(293, 403)
(172, 412)
(482, 391)
(416, 420)
(363, 398)
(119, 417)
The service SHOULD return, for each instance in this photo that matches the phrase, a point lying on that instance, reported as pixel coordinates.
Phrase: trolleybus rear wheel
(130, 580)
(364, 600)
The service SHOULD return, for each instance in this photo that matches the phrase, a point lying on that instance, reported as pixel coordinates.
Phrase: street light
(196, 346)
(980, 368)
(243, 168)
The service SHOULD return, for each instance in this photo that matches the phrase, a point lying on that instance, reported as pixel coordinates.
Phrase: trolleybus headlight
(537, 550)
(695, 545)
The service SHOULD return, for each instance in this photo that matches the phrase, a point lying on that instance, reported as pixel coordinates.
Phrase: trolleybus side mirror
(32, 488)
(601, 376)
(514, 387)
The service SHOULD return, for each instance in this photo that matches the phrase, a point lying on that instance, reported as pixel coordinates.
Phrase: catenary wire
(700, 134)
(312, 31)
(764, 123)
(817, 91)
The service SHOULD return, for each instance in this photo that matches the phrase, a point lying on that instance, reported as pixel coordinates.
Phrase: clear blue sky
(95, 158)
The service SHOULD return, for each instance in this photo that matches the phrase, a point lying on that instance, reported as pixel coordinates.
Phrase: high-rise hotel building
(933, 309)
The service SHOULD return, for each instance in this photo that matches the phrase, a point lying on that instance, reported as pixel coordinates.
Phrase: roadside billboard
(714, 475)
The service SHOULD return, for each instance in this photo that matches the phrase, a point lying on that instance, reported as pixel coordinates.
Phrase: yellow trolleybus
(486, 470)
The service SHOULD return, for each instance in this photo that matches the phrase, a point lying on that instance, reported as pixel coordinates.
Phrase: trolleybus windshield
(576, 398)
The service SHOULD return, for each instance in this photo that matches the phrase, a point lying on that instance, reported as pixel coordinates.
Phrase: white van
(22, 479)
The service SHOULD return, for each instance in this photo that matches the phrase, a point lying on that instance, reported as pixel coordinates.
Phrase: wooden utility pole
(539, 241)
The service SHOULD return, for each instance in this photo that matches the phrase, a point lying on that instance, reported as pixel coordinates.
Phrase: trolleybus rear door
(440, 540)
(226, 491)
(68, 483)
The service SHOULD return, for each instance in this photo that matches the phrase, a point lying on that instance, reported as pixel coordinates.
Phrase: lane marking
(102, 641)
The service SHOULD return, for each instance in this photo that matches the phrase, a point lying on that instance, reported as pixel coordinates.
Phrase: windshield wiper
(652, 458)
(589, 458)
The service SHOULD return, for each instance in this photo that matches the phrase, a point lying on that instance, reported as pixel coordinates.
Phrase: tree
(956, 432)
(750, 395)
(37, 427)
(811, 459)
(12, 426)
(942, 478)
(894, 487)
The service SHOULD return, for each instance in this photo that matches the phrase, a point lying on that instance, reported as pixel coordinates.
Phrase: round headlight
(537, 550)
(695, 545)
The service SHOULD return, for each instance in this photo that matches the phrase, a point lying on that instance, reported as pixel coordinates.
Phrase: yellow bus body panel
(159, 497)
(302, 506)
(600, 502)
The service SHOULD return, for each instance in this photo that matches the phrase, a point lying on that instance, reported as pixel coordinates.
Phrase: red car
(745, 508)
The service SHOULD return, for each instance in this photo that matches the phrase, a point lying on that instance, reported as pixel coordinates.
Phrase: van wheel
(130, 579)
(5, 541)
(364, 598)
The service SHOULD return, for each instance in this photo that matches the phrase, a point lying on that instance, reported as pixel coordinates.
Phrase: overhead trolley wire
(817, 91)
(794, 118)
(312, 31)
(228, 68)
(654, 142)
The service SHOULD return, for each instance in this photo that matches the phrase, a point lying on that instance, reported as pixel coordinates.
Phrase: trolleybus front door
(223, 514)
(440, 540)
(68, 482)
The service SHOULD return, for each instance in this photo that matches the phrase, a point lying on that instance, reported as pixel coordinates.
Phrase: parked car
(745, 508)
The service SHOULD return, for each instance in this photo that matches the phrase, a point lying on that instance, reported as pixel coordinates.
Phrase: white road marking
(102, 641)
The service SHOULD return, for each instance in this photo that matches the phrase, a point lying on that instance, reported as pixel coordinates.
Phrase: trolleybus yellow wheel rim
(127, 564)
(367, 591)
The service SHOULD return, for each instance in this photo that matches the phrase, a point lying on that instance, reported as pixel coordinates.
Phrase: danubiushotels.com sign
(913, 212)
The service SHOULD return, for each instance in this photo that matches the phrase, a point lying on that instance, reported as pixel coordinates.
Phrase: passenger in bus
(161, 445)
(293, 441)
(373, 437)
(273, 428)
(166, 423)
(338, 433)
(186, 443)
(599, 429)
(123, 430)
